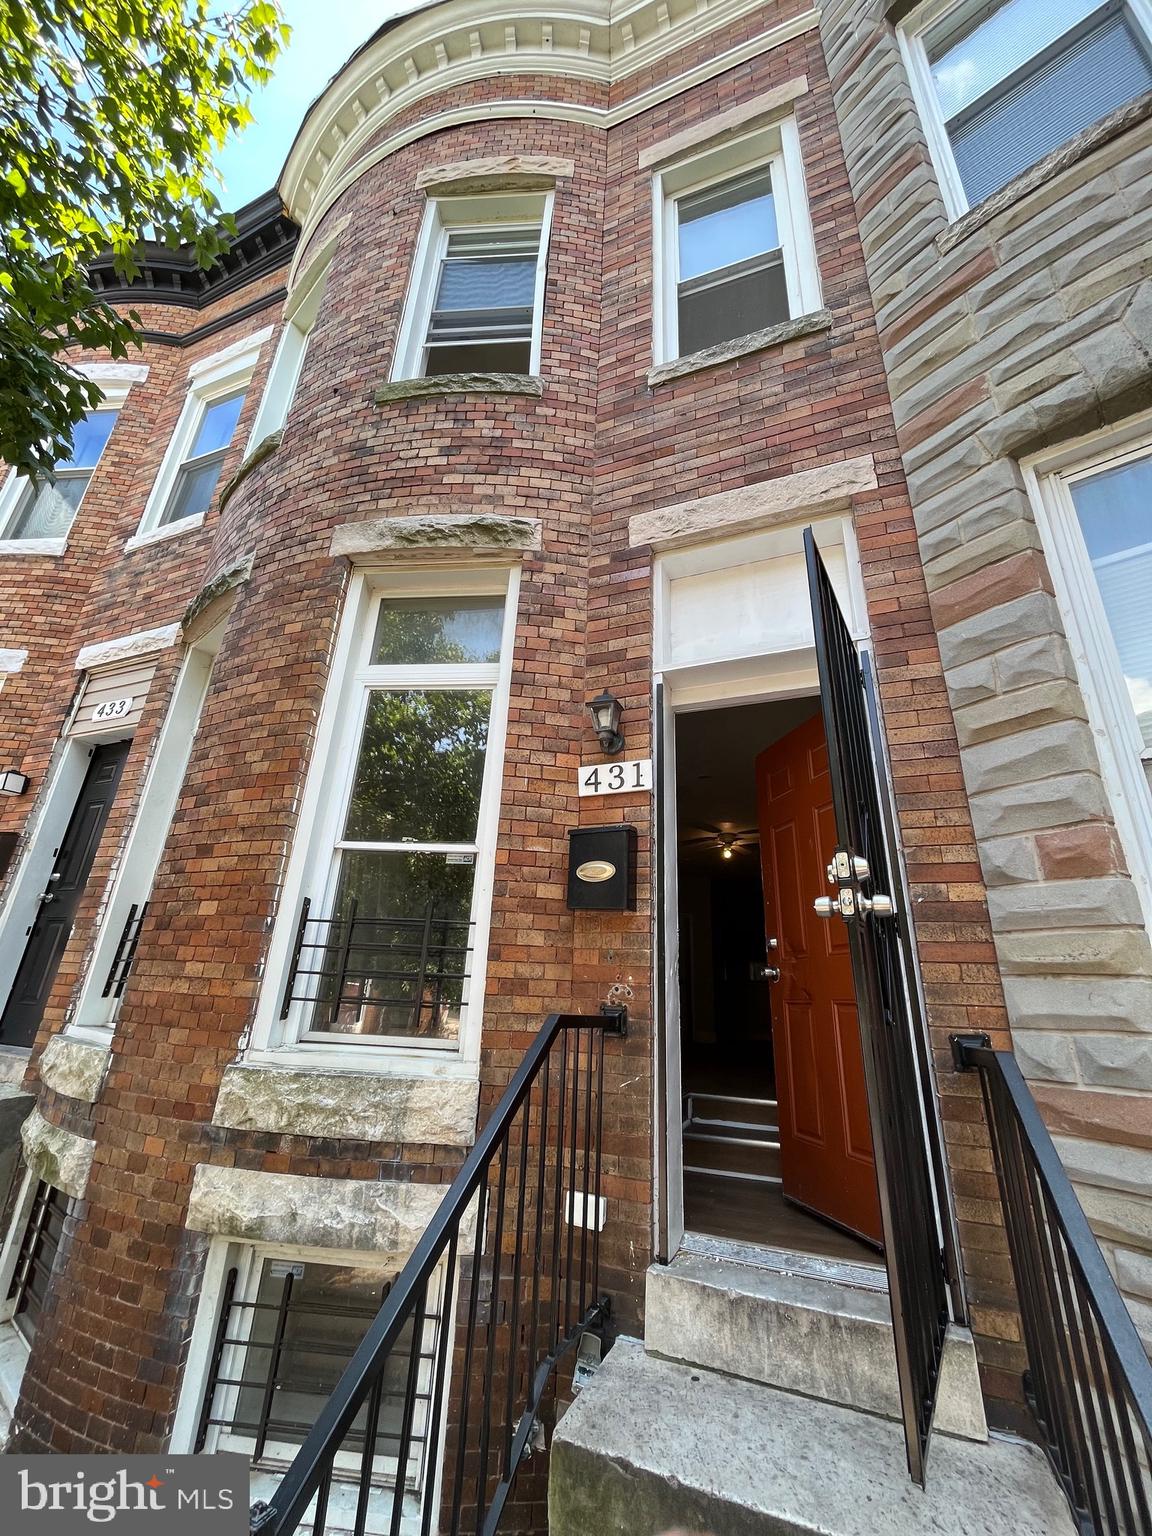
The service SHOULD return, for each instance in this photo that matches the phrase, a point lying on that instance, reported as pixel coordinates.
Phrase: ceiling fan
(727, 842)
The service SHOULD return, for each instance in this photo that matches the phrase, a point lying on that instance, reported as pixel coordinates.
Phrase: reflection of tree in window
(438, 630)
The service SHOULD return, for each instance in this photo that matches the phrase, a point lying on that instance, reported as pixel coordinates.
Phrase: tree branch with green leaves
(111, 115)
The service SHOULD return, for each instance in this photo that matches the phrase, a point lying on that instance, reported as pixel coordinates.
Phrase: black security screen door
(53, 922)
(866, 899)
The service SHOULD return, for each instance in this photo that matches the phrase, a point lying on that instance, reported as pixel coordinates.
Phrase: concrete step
(816, 1336)
(651, 1445)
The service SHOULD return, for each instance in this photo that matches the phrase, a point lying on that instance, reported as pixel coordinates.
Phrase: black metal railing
(1088, 1381)
(514, 1252)
(121, 967)
(379, 975)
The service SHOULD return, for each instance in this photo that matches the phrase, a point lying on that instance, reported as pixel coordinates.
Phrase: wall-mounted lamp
(12, 782)
(605, 712)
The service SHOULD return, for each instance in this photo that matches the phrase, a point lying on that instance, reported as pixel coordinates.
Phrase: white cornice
(464, 40)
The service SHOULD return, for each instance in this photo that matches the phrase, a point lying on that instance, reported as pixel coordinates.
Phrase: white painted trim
(25, 548)
(12, 660)
(115, 383)
(46, 828)
(911, 37)
(277, 1042)
(775, 146)
(13, 1238)
(1119, 745)
(595, 45)
(131, 883)
(301, 311)
(144, 642)
(209, 380)
(481, 211)
(161, 535)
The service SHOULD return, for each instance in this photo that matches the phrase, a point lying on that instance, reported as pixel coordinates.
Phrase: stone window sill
(442, 384)
(29, 547)
(1077, 149)
(160, 535)
(742, 346)
(264, 449)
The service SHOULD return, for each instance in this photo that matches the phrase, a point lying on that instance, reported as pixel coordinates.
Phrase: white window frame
(95, 1015)
(1120, 747)
(312, 866)
(115, 382)
(14, 1347)
(301, 311)
(248, 1259)
(775, 148)
(211, 379)
(444, 216)
(911, 36)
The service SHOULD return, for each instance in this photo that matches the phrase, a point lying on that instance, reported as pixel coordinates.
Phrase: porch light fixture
(12, 782)
(605, 712)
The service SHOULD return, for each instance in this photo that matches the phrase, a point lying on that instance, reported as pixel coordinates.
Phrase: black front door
(53, 923)
(868, 897)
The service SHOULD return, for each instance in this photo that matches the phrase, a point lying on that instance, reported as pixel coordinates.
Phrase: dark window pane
(193, 491)
(721, 310)
(480, 357)
(420, 630)
(398, 956)
(48, 513)
(420, 767)
(1104, 69)
(326, 1312)
(217, 425)
(726, 224)
(88, 439)
(37, 1257)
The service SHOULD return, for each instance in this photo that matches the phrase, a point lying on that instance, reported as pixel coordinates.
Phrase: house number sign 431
(615, 778)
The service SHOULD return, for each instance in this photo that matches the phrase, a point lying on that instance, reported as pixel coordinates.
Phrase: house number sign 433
(112, 709)
(615, 778)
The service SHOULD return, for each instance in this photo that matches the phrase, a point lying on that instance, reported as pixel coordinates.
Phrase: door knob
(47, 897)
(771, 973)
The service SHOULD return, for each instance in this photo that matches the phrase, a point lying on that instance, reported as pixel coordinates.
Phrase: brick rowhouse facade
(583, 111)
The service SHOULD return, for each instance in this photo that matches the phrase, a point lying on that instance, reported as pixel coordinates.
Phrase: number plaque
(615, 778)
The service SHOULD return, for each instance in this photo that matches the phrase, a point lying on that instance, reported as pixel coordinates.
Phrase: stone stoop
(819, 1337)
(651, 1445)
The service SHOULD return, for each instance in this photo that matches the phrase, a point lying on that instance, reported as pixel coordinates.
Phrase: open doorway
(777, 1146)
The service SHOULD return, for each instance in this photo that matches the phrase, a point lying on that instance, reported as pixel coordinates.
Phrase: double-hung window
(190, 474)
(477, 295)
(1094, 507)
(394, 872)
(735, 253)
(46, 510)
(1001, 86)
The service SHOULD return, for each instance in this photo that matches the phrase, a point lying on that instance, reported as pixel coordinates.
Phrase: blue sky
(324, 33)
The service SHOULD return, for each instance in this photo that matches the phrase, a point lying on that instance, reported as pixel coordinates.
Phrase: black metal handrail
(1088, 1381)
(120, 969)
(513, 1253)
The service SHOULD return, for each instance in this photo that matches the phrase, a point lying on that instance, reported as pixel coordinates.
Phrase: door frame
(41, 840)
(757, 676)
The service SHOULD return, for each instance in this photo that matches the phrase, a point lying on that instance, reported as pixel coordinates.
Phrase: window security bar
(346, 964)
(121, 967)
(1088, 1382)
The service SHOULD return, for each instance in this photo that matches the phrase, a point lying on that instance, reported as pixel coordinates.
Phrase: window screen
(731, 266)
(1019, 83)
(483, 309)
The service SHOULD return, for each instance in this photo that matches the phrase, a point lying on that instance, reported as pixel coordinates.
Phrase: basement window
(477, 295)
(36, 1258)
(286, 1325)
(734, 244)
(1001, 86)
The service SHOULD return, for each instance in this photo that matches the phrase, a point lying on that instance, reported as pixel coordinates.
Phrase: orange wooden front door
(825, 1137)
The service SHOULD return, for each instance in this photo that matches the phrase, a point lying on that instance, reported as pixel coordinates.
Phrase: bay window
(391, 882)
(1000, 86)
(476, 300)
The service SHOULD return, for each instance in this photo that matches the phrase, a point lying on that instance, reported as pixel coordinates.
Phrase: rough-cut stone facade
(579, 473)
(1026, 323)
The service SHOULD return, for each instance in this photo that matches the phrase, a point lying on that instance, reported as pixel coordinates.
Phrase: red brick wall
(598, 447)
